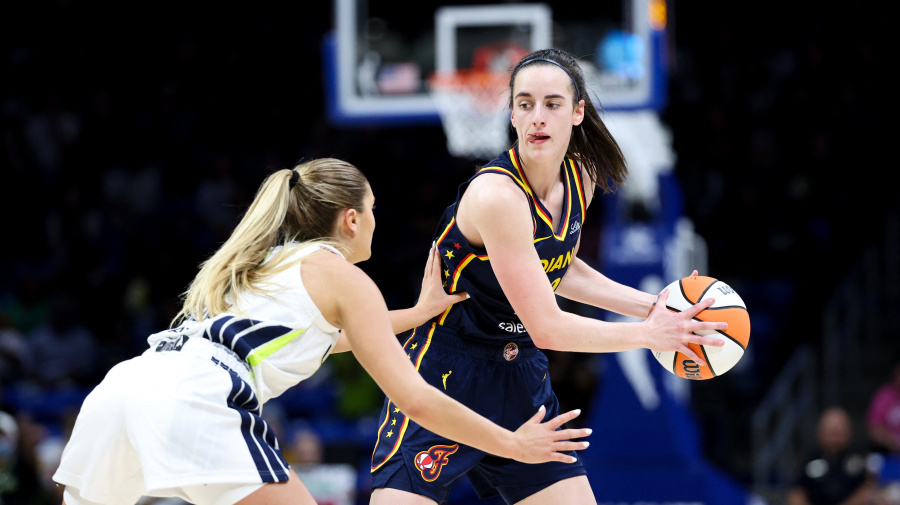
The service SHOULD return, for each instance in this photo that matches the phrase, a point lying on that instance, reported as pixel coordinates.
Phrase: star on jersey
(396, 409)
(415, 344)
(393, 422)
(457, 246)
(390, 433)
(449, 254)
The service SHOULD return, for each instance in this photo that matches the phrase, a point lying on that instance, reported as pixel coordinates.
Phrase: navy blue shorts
(504, 383)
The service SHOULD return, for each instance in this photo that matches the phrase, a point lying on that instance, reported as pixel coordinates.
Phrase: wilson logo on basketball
(725, 289)
(691, 369)
(431, 462)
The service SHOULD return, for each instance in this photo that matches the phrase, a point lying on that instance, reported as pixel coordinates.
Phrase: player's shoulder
(494, 199)
(496, 183)
(326, 274)
(328, 262)
(494, 193)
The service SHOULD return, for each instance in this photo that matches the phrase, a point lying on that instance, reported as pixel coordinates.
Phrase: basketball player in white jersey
(183, 419)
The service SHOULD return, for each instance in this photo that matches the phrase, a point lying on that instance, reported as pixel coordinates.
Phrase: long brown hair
(591, 144)
(305, 210)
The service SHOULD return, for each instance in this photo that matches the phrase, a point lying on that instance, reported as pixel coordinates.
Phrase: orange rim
(468, 79)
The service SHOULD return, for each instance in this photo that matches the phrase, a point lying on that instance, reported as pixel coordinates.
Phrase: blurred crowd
(130, 148)
(848, 466)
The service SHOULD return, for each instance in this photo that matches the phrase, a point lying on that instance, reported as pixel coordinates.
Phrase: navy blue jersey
(488, 316)
(505, 388)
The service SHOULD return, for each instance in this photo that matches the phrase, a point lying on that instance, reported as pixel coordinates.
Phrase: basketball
(728, 307)
(424, 461)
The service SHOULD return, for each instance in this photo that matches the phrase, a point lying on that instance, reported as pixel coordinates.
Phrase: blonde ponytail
(281, 212)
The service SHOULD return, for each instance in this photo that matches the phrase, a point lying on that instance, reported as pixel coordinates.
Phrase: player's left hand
(432, 297)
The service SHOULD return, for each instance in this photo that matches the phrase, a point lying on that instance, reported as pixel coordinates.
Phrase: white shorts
(165, 422)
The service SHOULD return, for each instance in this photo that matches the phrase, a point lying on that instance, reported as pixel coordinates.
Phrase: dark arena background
(134, 134)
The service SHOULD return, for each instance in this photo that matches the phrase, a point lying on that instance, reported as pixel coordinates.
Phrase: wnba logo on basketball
(431, 462)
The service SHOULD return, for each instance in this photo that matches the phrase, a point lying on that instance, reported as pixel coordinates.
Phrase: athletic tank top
(487, 316)
(282, 338)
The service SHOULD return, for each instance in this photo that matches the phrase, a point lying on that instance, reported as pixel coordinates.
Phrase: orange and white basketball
(728, 307)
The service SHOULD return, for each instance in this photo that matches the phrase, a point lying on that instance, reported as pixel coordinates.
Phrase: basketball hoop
(474, 113)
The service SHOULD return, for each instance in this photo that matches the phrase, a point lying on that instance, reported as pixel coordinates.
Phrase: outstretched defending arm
(431, 302)
(350, 300)
(432, 299)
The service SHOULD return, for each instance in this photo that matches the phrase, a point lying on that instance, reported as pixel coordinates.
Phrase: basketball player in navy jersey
(511, 241)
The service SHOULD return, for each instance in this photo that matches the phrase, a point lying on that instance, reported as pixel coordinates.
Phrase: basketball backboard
(380, 54)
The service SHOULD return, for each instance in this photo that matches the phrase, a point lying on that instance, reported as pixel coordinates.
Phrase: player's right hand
(539, 442)
(673, 331)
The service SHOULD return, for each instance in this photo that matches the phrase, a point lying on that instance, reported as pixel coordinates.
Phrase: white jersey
(184, 418)
(281, 338)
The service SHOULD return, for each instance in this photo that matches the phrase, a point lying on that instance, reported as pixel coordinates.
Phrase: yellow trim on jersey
(544, 216)
(514, 158)
(518, 180)
(457, 274)
(446, 231)
(262, 352)
(459, 268)
(576, 171)
(411, 336)
(444, 315)
(405, 418)
(388, 413)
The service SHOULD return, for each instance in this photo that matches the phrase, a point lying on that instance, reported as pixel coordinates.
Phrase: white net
(474, 112)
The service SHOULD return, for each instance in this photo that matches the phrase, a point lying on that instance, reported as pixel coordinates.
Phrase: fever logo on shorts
(510, 351)
(431, 462)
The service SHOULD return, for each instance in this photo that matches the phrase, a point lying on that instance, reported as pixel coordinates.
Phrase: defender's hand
(432, 298)
(539, 442)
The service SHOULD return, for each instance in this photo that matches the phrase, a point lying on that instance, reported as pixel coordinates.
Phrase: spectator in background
(20, 463)
(53, 344)
(331, 483)
(883, 416)
(9, 441)
(28, 304)
(883, 424)
(13, 351)
(834, 474)
(306, 448)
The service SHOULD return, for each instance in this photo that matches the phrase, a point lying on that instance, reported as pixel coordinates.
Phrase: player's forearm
(585, 285)
(565, 331)
(407, 319)
(443, 415)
